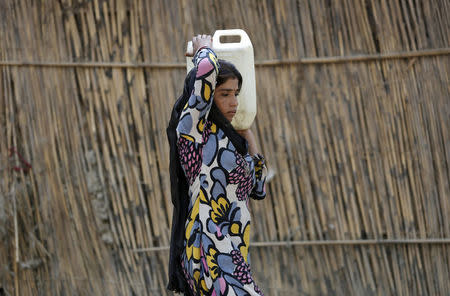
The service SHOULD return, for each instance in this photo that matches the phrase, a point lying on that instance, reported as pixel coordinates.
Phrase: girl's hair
(226, 71)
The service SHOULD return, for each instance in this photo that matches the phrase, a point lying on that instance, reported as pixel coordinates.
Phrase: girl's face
(225, 97)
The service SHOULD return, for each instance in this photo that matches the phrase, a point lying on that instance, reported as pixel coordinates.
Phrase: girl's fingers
(201, 40)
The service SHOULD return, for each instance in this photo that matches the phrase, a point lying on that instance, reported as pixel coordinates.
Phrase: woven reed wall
(360, 148)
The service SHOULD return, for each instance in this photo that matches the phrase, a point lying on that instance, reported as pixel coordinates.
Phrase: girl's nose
(234, 102)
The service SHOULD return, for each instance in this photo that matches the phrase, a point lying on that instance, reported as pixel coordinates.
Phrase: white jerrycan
(240, 54)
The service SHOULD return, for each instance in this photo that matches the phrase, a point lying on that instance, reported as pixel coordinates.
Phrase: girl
(214, 171)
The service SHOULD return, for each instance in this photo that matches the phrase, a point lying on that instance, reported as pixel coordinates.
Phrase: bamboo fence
(353, 118)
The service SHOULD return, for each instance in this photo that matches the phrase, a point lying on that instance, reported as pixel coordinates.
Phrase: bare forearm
(252, 147)
(250, 137)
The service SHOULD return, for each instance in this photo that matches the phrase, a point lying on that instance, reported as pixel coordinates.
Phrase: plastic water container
(240, 53)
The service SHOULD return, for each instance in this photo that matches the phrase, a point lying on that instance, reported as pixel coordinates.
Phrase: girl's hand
(245, 133)
(198, 42)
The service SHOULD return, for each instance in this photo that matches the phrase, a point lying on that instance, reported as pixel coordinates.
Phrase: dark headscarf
(179, 185)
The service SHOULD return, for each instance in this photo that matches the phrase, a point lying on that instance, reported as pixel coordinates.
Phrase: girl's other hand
(199, 42)
(245, 133)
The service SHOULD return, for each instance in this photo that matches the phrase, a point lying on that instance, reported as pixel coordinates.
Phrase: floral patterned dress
(221, 180)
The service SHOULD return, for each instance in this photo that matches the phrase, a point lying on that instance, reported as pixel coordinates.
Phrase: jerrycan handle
(244, 39)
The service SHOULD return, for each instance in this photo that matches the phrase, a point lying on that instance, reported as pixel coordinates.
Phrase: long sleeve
(194, 114)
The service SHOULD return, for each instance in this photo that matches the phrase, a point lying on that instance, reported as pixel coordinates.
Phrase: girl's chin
(230, 118)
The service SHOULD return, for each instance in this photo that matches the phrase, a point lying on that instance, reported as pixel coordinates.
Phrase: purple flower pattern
(242, 271)
(241, 175)
(190, 154)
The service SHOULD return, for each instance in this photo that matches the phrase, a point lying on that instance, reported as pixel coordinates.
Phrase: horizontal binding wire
(266, 63)
(328, 243)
